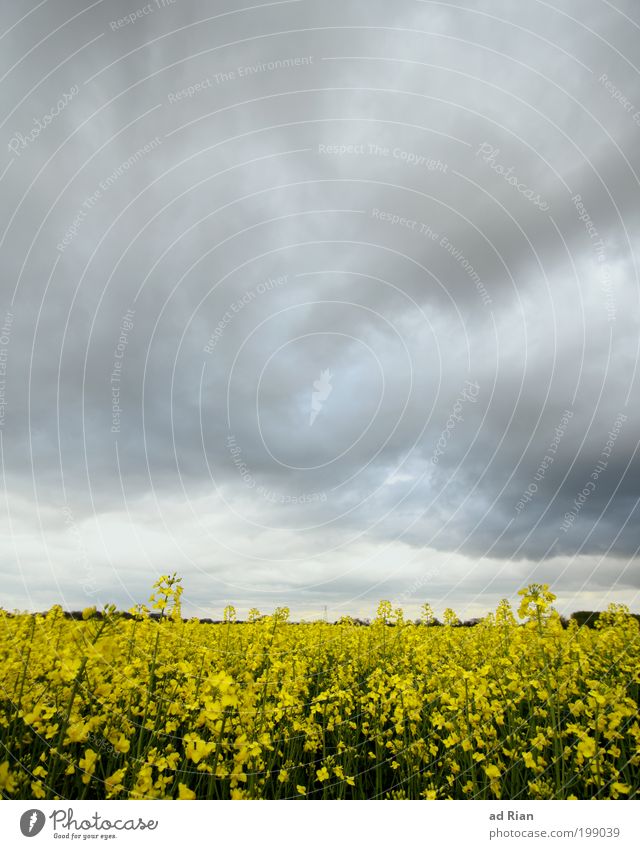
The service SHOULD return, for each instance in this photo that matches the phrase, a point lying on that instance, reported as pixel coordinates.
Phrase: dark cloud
(253, 261)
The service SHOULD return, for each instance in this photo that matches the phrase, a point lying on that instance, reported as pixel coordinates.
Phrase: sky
(319, 303)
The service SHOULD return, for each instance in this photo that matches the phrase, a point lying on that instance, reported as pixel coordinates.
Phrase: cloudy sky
(318, 303)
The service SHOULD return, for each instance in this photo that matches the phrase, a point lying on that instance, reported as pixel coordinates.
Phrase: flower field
(141, 708)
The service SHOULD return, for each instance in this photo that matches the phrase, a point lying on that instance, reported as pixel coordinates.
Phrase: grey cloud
(376, 159)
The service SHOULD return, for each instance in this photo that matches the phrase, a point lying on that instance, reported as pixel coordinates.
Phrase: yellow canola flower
(184, 792)
(88, 765)
(322, 774)
(113, 784)
(158, 707)
(197, 749)
(119, 742)
(8, 781)
(620, 788)
(38, 790)
(78, 732)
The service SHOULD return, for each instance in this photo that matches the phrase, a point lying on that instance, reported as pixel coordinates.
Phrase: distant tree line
(583, 618)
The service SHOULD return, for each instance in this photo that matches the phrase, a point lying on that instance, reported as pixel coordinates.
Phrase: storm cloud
(318, 303)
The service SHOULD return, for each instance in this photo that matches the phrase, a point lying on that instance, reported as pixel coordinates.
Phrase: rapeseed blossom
(138, 707)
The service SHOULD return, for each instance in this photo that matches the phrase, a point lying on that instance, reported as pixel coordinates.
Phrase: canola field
(135, 708)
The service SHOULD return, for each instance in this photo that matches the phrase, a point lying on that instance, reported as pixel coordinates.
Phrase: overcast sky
(318, 303)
